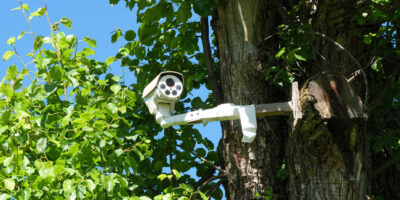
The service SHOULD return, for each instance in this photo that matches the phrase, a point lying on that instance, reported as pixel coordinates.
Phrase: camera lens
(170, 82)
(162, 86)
(178, 87)
(174, 92)
(167, 92)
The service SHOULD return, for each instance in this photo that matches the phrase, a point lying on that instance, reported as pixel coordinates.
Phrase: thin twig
(65, 91)
(23, 63)
(383, 167)
(220, 176)
(213, 189)
(47, 16)
(353, 75)
(27, 19)
(272, 130)
(51, 30)
(204, 160)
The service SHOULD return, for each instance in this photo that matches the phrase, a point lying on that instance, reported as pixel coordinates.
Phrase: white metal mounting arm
(246, 113)
(223, 112)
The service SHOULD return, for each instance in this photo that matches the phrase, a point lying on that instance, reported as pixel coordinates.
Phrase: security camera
(162, 93)
(164, 90)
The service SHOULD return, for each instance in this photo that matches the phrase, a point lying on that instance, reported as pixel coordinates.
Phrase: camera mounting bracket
(246, 113)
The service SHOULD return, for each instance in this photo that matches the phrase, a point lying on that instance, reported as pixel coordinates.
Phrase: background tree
(78, 132)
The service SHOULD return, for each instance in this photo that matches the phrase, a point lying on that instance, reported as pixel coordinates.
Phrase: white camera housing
(162, 93)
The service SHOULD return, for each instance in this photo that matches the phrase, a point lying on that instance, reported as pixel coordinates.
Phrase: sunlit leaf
(8, 54)
(90, 42)
(67, 22)
(9, 184)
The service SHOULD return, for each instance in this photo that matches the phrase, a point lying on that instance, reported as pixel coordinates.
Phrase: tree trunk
(327, 158)
(240, 26)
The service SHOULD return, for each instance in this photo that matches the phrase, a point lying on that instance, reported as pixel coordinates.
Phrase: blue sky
(95, 19)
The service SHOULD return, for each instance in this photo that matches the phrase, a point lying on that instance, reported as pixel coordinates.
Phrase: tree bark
(240, 27)
(327, 157)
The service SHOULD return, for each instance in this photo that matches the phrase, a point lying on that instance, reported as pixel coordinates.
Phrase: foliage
(70, 129)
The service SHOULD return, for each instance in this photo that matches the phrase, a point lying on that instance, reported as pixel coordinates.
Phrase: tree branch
(383, 167)
(220, 176)
(210, 192)
(208, 181)
(204, 160)
(212, 78)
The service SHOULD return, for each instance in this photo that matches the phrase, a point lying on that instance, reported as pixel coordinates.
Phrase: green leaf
(176, 173)
(8, 161)
(56, 74)
(90, 42)
(90, 185)
(38, 13)
(12, 72)
(119, 152)
(367, 39)
(45, 172)
(144, 198)
(114, 2)
(17, 8)
(130, 35)
(115, 88)
(41, 145)
(109, 60)
(299, 57)
(6, 90)
(201, 152)
(377, 65)
(25, 7)
(20, 35)
(183, 13)
(8, 54)
(146, 32)
(88, 52)
(161, 177)
(203, 196)
(9, 184)
(67, 22)
(198, 103)
(68, 186)
(109, 183)
(280, 53)
(167, 196)
(112, 107)
(38, 42)
(11, 41)
(131, 95)
(27, 193)
(116, 35)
